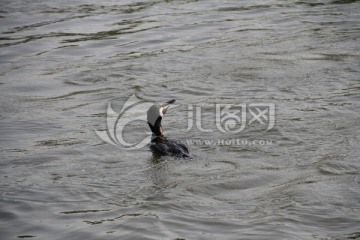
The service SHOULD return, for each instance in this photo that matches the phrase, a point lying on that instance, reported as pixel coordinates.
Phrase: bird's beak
(166, 105)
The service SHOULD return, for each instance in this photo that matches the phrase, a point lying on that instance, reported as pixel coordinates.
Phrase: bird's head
(154, 117)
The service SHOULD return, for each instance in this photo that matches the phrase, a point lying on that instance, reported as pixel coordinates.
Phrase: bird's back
(165, 147)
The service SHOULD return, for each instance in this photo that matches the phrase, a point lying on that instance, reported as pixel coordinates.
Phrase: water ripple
(62, 63)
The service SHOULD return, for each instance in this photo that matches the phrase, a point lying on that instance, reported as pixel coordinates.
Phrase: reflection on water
(62, 62)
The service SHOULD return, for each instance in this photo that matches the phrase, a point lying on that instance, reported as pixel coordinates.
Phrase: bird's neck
(156, 138)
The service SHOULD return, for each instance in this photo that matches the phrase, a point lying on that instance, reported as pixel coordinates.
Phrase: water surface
(62, 62)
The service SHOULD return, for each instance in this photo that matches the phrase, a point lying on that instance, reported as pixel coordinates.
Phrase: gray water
(62, 62)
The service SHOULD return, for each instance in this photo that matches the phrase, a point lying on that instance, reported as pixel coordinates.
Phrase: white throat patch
(153, 113)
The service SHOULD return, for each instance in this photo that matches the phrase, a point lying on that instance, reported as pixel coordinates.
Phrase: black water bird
(160, 145)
